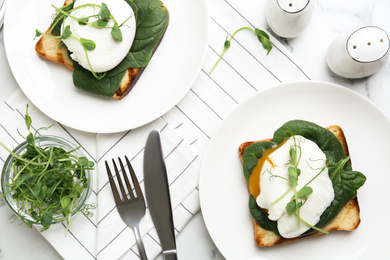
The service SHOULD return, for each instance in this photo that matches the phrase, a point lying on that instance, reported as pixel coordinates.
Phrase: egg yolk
(254, 179)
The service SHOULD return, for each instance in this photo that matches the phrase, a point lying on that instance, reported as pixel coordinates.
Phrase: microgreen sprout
(300, 196)
(102, 19)
(46, 182)
(262, 36)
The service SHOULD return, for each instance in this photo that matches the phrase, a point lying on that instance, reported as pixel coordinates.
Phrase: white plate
(165, 81)
(223, 192)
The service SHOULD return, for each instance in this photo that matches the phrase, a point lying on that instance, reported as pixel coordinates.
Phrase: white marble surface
(309, 50)
(329, 20)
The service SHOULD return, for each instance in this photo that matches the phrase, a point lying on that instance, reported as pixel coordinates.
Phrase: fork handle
(140, 244)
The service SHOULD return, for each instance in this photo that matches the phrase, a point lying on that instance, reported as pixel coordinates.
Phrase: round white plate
(165, 81)
(223, 190)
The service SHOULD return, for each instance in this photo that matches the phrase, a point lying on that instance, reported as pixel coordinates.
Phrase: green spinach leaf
(252, 154)
(57, 21)
(134, 7)
(345, 181)
(84, 80)
(345, 185)
(262, 217)
(152, 20)
(325, 139)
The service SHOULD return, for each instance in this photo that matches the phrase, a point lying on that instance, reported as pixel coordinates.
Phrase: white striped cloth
(185, 131)
(105, 235)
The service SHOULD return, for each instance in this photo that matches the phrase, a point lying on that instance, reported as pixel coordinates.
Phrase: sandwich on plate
(106, 44)
(301, 183)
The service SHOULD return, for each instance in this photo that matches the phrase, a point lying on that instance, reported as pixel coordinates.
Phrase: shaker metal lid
(368, 44)
(293, 6)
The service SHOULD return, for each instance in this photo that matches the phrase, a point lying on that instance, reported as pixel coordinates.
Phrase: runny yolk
(254, 179)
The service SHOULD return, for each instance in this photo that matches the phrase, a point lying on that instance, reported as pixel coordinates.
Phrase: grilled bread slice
(347, 219)
(49, 48)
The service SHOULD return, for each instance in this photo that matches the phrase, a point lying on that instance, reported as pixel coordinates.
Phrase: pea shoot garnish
(300, 196)
(262, 36)
(46, 182)
(101, 20)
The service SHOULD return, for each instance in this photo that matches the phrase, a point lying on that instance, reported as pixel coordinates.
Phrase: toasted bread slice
(348, 218)
(49, 48)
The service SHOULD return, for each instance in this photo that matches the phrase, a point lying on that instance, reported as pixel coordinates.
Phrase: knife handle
(170, 255)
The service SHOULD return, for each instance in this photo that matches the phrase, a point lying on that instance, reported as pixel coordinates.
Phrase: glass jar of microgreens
(46, 180)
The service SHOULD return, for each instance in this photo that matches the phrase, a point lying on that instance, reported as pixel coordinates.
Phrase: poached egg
(266, 178)
(108, 52)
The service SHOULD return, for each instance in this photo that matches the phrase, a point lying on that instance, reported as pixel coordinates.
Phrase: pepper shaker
(289, 18)
(359, 54)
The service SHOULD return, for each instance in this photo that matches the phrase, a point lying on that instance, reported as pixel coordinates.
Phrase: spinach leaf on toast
(345, 181)
(107, 86)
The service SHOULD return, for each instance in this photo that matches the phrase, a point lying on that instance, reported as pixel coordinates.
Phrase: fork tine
(123, 191)
(129, 188)
(134, 178)
(112, 184)
(132, 210)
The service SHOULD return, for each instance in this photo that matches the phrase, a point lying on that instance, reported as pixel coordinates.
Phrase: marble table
(308, 50)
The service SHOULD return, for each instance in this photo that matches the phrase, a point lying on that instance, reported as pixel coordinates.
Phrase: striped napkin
(105, 235)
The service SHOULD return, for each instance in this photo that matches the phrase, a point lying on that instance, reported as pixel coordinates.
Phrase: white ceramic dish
(168, 77)
(223, 192)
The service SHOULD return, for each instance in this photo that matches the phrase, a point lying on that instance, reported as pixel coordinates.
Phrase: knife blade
(158, 196)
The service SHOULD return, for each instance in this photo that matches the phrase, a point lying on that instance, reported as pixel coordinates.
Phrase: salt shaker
(289, 18)
(359, 54)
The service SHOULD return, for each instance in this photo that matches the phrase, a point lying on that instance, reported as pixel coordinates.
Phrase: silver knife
(157, 195)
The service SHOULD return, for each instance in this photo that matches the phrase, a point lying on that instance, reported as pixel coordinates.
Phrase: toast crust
(49, 48)
(348, 218)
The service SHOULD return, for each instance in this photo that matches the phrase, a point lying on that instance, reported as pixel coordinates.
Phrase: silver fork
(131, 208)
